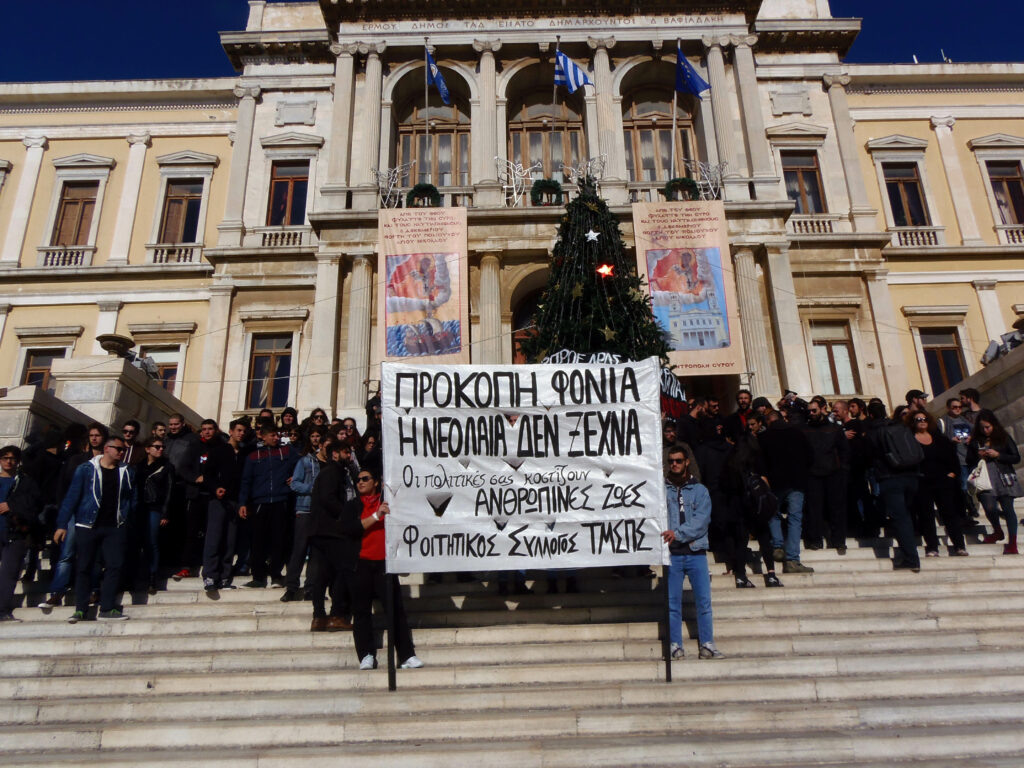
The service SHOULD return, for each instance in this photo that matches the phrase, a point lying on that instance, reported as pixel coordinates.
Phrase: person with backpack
(896, 457)
(993, 454)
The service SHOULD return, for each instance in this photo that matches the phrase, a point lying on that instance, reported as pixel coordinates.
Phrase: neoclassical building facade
(229, 225)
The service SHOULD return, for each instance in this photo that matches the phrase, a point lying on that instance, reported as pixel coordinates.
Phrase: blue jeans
(791, 503)
(65, 566)
(152, 542)
(696, 568)
(897, 496)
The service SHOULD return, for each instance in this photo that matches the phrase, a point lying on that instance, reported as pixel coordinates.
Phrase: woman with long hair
(940, 471)
(990, 443)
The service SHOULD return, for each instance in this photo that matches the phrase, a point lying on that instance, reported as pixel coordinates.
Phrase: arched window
(647, 121)
(442, 154)
(549, 133)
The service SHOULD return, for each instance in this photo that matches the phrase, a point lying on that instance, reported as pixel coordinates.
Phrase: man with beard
(826, 481)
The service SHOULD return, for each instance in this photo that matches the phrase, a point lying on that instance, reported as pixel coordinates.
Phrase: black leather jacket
(155, 482)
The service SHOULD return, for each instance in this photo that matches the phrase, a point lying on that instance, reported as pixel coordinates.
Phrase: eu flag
(687, 79)
(435, 78)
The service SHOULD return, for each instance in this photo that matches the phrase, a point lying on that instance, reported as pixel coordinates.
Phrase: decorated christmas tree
(594, 300)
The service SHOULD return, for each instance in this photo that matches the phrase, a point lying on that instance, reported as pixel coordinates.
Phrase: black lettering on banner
(521, 390)
(407, 476)
(514, 535)
(411, 377)
(410, 535)
(404, 439)
(605, 433)
(439, 378)
(619, 496)
(617, 536)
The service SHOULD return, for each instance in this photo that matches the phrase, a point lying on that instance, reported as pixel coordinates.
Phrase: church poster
(424, 297)
(490, 468)
(683, 254)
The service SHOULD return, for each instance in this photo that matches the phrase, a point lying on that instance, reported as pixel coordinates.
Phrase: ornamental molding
(997, 141)
(292, 139)
(188, 157)
(802, 132)
(47, 331)
(84, 160)
(116, 107)
(263, 315)
(142, 329)
(897, 141)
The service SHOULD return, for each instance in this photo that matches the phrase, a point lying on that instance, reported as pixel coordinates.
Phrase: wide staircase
(855, 664)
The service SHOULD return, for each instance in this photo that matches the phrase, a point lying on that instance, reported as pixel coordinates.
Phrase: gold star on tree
(577, 290)
(608, 333)
(635, 294)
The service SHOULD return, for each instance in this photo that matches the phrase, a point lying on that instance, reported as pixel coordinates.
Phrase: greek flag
(568, 74)
(435, 78)
(687, 79)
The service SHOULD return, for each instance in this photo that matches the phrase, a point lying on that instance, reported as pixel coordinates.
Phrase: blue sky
(119, 39)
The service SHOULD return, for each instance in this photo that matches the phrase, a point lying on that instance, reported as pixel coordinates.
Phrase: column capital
(841, 80)
(222, 289)
(247, 92)
(495, 251)
(5, 309)
(110, 305)
(743, 41)
(330, 257)
(34, 141)
(710, 42)
(985, 284)
(372, 49)
(344, 49)
(876, 274)
(606, 43)
(139, 138)
(487, 46)
(943, 121)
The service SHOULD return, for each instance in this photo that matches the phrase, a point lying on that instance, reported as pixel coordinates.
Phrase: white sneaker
(676, 651)
(709, 651)
(369, 662)
(411, 663)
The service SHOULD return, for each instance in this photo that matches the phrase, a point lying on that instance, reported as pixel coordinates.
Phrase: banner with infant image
(525, 466)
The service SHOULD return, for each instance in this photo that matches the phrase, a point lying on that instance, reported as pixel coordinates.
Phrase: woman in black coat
(937, 489)
(990, 442)
(155, 480)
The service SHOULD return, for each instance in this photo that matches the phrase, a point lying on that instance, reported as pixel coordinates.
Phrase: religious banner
(423, 284)
(682, 251)
(527, 466)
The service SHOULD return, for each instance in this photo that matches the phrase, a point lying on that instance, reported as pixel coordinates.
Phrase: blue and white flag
(568, 74)
(435, 78)
(687, 79)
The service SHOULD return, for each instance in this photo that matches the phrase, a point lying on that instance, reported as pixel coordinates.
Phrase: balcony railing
(69, 256)
(278, 237)
(451, 197)
(177, 253)
(813, 224)
(916, 237)
(1011, 234)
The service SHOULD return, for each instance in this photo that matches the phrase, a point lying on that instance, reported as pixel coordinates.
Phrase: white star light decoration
(592, 236)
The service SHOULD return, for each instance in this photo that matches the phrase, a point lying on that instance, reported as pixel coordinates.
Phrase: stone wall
(29, 409)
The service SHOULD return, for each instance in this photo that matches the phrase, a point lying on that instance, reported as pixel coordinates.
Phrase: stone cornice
(806, 35)
(305, 45)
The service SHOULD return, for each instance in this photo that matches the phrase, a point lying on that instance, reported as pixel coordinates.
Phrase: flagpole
(426, 111)
(554, 98)
(675, 97)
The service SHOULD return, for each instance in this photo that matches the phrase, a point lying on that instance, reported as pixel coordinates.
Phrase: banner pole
(426, 112)
(390, 590)
(675, 97)
(666, 646)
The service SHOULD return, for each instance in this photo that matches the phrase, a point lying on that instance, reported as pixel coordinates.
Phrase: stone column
(609, 134)
(794, 368)
(211, 374)
(888, 332)
(106, 321)
(991, 313)
(752, 320)
(319, 385)
(18, 225)
(333, 191)
(489, 348)
(957, 182)
(232, 228)
(360, 305)
(485, 128)
(861, 213)
(367, 156)
(766, 181)
(721, 108)
(129, 204)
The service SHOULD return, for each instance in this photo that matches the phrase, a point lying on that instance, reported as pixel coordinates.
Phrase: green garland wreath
(681, 188)
(423, 191)
(543, 186)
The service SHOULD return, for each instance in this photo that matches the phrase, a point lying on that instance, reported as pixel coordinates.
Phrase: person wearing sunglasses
(938, 488)
(102, 500)
(156, 485)
(20, 504)
(134, 453)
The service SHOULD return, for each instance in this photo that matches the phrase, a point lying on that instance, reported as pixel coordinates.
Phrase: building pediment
(997, 141)
(188, 157)
(292, 139)
(84, 160)
(797, 133)
(897, 141)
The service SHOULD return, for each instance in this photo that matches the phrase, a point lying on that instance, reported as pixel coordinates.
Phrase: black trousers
(90, 544)
(12, 558)
(825, 502)
(728, 534)
(219, 544)
(195, 527)
(268, 527)
(300, 547)
(371, 583)
(327, 570)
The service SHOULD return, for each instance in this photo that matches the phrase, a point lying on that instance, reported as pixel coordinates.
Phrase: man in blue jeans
(689, 514)
(787, 455)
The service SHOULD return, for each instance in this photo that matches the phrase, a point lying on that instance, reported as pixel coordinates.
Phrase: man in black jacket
(826, 480)
(787, 456)
(736, 422)
(20, 505)
(223, 474)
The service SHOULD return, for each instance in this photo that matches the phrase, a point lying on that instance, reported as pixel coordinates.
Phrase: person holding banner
(689, 515)
(371, 578)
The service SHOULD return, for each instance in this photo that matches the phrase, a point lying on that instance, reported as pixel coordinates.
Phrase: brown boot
(319, 624)
(337, 624)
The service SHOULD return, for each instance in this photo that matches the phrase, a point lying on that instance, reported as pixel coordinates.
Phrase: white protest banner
(524, 466)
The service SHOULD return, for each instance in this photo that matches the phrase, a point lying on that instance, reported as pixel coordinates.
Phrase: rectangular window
(269, 371)
(180, 222)
(166, 360)
(943, 357)
(833, 358)
(288, 183)
(803, 181)
(74, 216)
(37, 367)
(903, 185)
(1008, 187)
